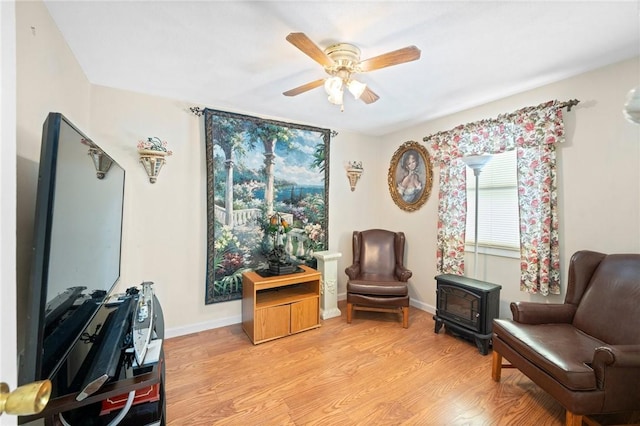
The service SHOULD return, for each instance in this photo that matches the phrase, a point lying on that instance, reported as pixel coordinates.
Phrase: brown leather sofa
(378, 277)
(586, 351)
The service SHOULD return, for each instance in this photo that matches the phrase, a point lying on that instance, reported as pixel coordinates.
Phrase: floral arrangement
(154, 144)
(357, 165)
(315, 233)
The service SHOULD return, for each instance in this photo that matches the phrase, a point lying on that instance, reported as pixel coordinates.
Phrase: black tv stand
(87, 411)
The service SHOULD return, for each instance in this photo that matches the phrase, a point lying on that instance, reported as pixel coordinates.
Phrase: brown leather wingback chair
(585, 352)
(378, 278)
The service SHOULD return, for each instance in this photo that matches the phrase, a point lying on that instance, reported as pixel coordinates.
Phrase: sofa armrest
(353, 271)
(542, 313)
(403, 273)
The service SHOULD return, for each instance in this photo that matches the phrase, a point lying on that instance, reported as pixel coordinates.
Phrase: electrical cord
(90, 338)
(117, 419)
(62, 420)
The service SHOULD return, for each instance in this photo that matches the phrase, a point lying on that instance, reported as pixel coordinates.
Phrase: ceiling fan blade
(309, 48)
(400, 56)
(369, 96)
(304, 88)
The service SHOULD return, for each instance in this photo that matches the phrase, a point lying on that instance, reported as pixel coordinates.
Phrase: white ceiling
(233, 56)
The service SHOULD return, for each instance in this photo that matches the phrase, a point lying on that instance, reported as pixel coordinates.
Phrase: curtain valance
(529, 126)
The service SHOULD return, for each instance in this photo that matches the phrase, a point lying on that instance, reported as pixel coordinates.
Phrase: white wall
(49, 79)
(353, 210)
(165, 223)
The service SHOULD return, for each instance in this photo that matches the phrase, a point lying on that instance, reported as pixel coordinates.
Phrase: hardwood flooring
(369, 372)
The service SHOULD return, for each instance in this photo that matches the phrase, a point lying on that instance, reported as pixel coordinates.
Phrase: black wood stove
(467, 307)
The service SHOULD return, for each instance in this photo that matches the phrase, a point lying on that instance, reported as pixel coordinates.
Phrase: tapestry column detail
(328, 267)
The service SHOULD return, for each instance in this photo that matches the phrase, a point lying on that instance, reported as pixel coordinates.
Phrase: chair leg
(573, 419)
(496, 366)
(349, 312)
(405, 316)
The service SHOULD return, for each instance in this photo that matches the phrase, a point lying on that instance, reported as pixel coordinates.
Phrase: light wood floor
(370, 372)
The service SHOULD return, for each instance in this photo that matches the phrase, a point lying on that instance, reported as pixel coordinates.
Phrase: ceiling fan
(342, 61)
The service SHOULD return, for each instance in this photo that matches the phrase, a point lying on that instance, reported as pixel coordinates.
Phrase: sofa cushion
(610, 298)
(561, 350)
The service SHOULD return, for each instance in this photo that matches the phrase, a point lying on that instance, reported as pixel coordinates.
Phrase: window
(498, 219)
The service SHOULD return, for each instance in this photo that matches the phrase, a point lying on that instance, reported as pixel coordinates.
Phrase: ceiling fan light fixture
(336, 98)
(333, 87)
(356, 88)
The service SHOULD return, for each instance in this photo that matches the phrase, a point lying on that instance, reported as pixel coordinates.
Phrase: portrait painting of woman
(409, 184)
(410, 176)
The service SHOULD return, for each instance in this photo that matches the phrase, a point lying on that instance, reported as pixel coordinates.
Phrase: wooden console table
(277, 306)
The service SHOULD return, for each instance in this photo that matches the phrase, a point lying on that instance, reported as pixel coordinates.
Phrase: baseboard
(237, 319)
(423, 306)
(201, 326)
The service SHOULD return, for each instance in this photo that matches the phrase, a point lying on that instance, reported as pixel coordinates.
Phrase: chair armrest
(353, 271)
(402, 273)
(617, 365)
(542, 313)
(617, 356)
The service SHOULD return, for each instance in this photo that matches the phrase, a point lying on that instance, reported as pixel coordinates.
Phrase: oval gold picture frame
(410, 176)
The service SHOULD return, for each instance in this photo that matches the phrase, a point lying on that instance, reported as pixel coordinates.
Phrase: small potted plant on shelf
(153, 146)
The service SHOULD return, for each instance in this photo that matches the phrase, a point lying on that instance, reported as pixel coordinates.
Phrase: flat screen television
(76, 246)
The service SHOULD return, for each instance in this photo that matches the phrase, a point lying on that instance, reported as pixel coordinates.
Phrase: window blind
(498, 219)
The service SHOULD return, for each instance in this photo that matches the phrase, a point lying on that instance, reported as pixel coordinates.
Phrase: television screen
(76, 249)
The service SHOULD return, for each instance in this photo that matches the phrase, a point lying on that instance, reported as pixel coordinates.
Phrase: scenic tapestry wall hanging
(258, 169)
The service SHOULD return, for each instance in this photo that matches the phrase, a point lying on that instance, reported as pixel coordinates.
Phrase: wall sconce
(101, 161)
(152, 164)
(26, 400)
(152, 153)
(354, 171)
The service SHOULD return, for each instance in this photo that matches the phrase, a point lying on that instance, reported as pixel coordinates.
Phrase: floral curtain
(452, 209)
(533, 131)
